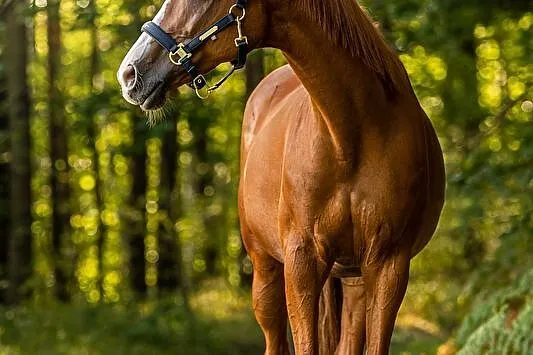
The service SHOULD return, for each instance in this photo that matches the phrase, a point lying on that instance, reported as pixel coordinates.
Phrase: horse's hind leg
(353, 325)
(269, 303)
(385, 285)
(329, 316)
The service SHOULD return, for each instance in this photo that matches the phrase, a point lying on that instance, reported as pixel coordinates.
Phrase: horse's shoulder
(273, 89)
(270, 94)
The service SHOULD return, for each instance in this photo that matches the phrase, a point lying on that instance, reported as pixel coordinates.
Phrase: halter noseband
(181, 53)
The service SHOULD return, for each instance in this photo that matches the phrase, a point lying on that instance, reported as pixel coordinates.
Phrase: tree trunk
(205, 179)
(460, 95)
(169, 264)
(136, 223)
(134, 217)
(4, 181)
(255, 71)
(4, 196)
(20, 243)
(58, 155)
(93, 135)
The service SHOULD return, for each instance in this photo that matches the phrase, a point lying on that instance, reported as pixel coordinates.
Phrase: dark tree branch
(500, 117)
(4, 6)
(502, 114)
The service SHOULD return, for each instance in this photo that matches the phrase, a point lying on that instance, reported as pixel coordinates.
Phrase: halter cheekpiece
(181, 53)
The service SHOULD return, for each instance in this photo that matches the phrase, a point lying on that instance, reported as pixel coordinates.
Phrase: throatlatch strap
(242, 55)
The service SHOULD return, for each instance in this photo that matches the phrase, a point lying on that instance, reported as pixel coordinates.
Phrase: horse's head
(147, 72)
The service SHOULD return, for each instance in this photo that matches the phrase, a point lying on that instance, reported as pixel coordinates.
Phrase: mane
(349, 25)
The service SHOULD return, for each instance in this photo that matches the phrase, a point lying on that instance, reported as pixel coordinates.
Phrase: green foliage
(471, 66)
(161, 327)
(502, 323)
(471, 70)
(220, 323)
(413, 341)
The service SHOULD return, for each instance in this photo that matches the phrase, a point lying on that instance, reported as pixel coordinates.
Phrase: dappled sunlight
(220, 300)
(149, 253)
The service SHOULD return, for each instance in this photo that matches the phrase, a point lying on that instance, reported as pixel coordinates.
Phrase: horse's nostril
(129, 76)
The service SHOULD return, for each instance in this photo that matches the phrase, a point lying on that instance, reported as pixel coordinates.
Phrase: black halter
(181, 53)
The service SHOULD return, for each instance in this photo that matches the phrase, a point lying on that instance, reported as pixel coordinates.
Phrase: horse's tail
(329, 316)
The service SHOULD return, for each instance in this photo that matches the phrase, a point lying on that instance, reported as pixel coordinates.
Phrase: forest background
(118, 238)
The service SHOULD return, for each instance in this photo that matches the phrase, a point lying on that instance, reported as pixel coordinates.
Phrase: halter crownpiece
(181, 53)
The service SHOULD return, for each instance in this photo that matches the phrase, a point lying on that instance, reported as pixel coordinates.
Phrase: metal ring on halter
(243, 10)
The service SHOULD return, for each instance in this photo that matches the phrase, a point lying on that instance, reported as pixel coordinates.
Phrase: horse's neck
(346, 93)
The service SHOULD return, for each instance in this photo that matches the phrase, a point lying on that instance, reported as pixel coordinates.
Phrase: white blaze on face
(143, 43)
(191, 13)
(161, 13)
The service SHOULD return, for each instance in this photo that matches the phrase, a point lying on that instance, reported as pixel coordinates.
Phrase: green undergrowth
(221, 322)
(501, 323)
(411, 341)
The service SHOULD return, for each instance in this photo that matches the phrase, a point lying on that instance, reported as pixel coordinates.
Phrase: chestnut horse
(342, 176)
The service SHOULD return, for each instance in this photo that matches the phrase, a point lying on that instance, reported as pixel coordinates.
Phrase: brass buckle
(241, 40)
(181, 53)
(201, 78)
